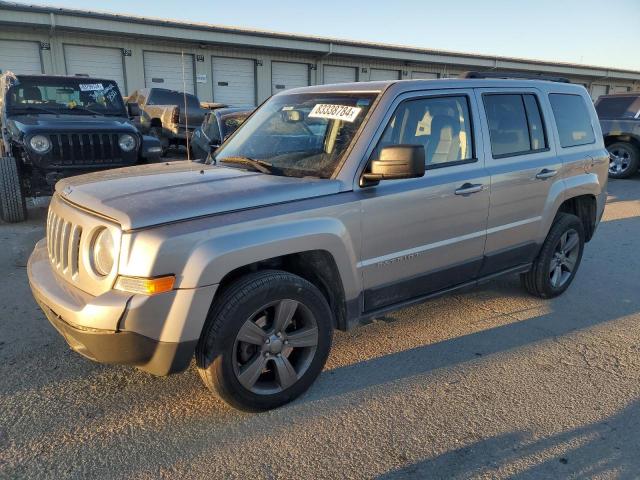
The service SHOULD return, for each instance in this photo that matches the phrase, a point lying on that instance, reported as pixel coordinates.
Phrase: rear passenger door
(525, 174)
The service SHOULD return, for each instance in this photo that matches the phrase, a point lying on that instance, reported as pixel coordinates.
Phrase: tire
(539, 281)
(255, 375)
(13, 205)
(164, 143)
(625, 159)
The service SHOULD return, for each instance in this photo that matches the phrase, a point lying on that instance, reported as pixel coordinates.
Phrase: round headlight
(127, 142)
(40, 144)
(103, 253)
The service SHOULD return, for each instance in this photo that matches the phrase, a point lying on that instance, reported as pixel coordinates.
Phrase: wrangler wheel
(13, 205)
(265, 341)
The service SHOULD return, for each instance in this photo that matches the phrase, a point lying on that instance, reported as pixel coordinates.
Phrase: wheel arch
(585, 207)
(610, 139)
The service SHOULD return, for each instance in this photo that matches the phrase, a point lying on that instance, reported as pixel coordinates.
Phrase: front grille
(63, 243)
(77, 149)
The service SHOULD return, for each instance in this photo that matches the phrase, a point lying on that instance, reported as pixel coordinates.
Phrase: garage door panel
(338, 74)
(164, 70)
(382, 74)
(96, 62)
(234, 80)
(423, 75)
(285, 75)
(20, 57)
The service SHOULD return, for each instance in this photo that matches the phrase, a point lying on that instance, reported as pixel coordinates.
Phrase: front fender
(215, 257)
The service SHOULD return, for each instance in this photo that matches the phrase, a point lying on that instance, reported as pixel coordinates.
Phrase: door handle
(469, 188)
(546, 173)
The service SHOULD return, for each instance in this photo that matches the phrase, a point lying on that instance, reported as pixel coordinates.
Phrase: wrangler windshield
(81, 96)
(298, 134)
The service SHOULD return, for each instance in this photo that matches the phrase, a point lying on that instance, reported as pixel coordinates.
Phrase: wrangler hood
(147, 195)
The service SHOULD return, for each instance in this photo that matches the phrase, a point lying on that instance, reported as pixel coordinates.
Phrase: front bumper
(103, 328)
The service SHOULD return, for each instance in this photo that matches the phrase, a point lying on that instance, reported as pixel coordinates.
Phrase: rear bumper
(118, 327)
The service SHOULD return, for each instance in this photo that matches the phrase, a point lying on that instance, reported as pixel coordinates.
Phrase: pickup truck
(331, 205)
(620, 122)
(163, 114)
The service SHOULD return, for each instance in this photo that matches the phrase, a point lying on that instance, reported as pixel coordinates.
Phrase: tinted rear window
(618, 107)
(169, 97)
(572, 119)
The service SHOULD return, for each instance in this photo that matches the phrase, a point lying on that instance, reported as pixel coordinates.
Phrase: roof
(51, 76)
(330, 43)
(444, 83)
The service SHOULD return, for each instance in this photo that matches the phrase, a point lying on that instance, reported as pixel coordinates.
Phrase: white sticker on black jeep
(90, 87)
(335, 112)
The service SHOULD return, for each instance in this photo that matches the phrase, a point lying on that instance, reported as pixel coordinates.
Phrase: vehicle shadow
(584, 452)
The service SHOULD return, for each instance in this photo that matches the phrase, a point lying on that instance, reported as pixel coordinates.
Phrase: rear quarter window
(572, 119)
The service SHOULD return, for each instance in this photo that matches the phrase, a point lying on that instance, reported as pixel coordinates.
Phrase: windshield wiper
(259, 165)
(38, 108)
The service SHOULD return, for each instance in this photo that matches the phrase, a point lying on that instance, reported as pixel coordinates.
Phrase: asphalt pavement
(488, 383)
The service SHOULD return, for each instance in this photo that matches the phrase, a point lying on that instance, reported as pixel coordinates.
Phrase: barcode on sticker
(335, 112)
(90, 87)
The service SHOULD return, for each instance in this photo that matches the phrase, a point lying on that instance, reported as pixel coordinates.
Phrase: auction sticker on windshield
(335, 112)
(90, 87)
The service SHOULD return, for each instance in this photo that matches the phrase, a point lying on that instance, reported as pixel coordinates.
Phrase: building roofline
(104, 15)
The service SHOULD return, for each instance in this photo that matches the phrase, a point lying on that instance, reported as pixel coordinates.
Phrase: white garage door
(380, 74)
(234, 81)
(423, 75)
(598, 90)
(95, 62)
(20, 57)
(164, 70)
(335, 74)
(286, 75)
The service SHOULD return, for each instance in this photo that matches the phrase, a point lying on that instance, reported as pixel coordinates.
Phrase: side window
(441, 124)
(572, 118)
(515, 124)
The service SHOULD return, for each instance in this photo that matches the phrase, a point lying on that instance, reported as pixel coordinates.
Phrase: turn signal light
(145, 286)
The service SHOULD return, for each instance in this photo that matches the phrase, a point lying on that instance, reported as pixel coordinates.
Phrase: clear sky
(592, 32)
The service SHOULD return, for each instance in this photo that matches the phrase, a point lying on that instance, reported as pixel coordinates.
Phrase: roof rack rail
(518, 75)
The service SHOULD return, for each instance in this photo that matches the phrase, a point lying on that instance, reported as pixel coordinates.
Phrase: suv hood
(147, 195)
(65, 122)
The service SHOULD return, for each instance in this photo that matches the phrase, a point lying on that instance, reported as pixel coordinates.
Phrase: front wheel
(557, 263)
(265, 340)
(624, 159)
(13, 205)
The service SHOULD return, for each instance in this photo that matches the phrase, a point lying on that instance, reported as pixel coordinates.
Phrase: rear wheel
(624, 159)
(557, 263)
(13, 206)
(265, 341)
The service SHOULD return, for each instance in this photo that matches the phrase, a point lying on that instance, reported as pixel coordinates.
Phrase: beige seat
(444, 142)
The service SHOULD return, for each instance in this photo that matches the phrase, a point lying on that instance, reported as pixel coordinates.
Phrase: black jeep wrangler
(54, 127)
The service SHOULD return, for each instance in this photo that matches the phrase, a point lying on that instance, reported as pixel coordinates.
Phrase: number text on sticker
(335, 112)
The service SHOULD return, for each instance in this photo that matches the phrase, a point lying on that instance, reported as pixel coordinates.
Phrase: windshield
(301, 134)
(160, 96)
(66, 95)
(230, 122)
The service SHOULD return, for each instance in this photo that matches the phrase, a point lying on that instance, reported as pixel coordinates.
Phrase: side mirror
(397, 162)
(134, 109)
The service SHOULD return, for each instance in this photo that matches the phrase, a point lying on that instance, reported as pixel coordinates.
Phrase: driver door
(425, 235)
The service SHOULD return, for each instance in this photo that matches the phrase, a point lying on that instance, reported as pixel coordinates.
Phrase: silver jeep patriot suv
(330, 205)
